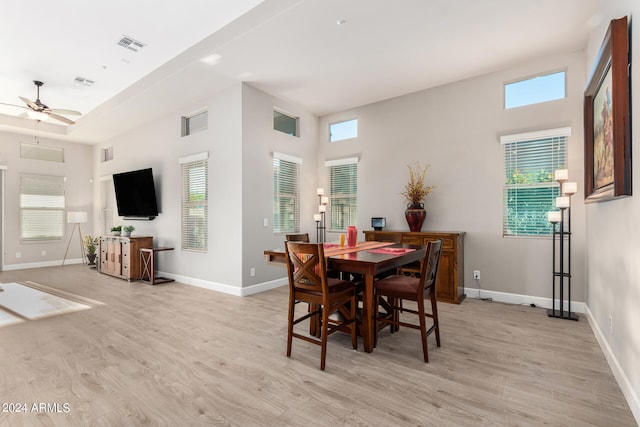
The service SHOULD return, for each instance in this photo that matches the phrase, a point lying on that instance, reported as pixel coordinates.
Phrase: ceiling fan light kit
(37, 115)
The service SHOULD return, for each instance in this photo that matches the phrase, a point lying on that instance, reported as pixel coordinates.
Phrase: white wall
(159, 145)
(455, 128)
(613, 239)
(78, 170)
(260, 140)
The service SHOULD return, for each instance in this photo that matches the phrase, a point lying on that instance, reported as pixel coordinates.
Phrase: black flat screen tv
(136, 194)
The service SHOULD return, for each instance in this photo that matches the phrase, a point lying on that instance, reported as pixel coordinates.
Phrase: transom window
(541, 88)
(347, 129)
(285, 123)
(194, 123)
(530, 160)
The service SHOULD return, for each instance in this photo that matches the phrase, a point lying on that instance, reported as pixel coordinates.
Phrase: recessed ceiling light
(212, 59)
(341, 22)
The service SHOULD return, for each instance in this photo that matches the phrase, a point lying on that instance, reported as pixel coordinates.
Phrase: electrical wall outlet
(252, 272)
(43, 253)
(476, 274)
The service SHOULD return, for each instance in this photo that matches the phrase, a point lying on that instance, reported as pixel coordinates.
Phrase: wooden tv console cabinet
(120, 256)
(450, 282)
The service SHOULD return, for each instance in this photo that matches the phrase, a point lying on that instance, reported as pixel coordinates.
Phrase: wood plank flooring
(177, 355)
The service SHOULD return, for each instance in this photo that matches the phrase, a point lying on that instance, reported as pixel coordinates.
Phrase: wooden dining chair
(298, 237)
(308, 282)
(397, 288)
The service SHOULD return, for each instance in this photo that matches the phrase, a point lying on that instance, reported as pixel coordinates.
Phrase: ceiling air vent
(130, 43)
(83, 81)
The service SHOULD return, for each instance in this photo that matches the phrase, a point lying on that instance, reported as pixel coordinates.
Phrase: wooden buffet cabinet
(120, 256)
(450, 282)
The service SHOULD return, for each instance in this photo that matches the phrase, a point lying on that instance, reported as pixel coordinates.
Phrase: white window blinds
(42, 206)
(286, 193)
(195, 202)
(107, 203)
(344, 191)
(530, 160)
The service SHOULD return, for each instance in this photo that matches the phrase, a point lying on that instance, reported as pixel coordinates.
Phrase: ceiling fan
(40, 109)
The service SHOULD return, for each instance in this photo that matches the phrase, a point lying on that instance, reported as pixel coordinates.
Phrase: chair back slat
(429, 267)
(298, 237)
(306, 266)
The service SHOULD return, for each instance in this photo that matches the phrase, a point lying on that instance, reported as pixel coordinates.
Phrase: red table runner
(331, 249)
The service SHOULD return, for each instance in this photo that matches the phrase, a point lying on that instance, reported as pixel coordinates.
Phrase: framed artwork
(607, 122)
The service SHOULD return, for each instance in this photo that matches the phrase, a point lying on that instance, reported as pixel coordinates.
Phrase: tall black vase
(415, 215)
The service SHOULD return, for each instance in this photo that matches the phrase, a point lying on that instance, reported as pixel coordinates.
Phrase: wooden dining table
(368, 259)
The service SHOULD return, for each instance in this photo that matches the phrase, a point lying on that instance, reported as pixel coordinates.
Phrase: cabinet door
(126, 258)
(445, 288)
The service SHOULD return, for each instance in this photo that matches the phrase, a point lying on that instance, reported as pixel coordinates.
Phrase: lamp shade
(569, 188)
(317, 217)
(322, 208)
(563, 202)
(561, 175)
(554, 216)
(320, 191)
(76, 217)
(324, 200)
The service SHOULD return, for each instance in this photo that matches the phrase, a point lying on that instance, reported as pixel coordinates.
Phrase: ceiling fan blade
(61, 118)
(13, 105)
(30, 103)
(66, 112)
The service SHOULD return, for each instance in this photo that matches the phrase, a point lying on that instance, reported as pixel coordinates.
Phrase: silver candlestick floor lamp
(562, 273)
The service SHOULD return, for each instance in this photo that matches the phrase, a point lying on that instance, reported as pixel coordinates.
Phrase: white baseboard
(27, 265)
(227, 289)
(618, 372)
(576, 307)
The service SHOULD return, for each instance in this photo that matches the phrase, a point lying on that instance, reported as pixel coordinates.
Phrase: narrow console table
(450, 281)
(148, 261)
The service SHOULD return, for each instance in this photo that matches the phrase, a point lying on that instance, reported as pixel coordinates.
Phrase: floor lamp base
(567, 315)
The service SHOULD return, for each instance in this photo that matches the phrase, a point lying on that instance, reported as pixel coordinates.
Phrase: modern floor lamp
(76, 218)
(320, 219)
(562, 217)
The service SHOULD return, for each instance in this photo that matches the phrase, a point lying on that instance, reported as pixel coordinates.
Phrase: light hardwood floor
(177, 355)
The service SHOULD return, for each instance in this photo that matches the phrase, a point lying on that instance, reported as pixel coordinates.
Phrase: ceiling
(325, 56)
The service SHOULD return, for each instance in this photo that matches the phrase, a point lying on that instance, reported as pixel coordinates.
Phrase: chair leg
(354, 323)
(292, 309)
(434, 311)
(423, 329)
(325, 333)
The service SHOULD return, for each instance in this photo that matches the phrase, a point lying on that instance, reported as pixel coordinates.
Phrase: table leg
(368, 313)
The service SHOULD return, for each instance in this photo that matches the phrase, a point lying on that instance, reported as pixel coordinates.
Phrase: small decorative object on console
(415, 193)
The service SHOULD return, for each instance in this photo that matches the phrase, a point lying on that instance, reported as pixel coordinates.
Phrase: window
(286, 193)
(41, 207)
(195, 204)
(107, 203)
(106, 154)
(41, 152)
(530, 160)
(285, 123)
(343, 130)
(344, 190)
(542, 88)
(194, 123)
